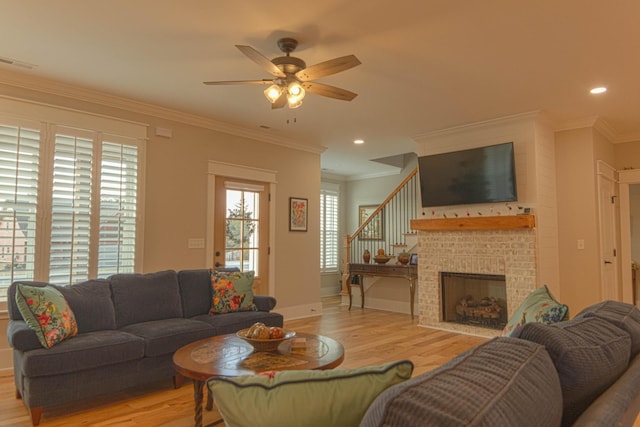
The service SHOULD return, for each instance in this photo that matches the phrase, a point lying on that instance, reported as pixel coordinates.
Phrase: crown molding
(531, 115)
(601, 125)
(39, 84)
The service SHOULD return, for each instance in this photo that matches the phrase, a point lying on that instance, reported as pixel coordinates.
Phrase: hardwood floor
(370, 337)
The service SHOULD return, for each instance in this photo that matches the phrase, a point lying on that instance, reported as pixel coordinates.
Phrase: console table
(409, 272)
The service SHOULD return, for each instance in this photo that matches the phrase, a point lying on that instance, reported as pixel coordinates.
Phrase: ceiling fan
(292, 76)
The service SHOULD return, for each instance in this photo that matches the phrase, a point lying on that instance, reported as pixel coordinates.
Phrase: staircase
(387, 228)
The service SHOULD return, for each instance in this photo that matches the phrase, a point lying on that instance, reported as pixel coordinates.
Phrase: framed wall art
(375, 229)
(298, 213)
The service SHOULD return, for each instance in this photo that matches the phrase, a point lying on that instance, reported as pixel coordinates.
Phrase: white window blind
(328, 230)
(118, 207)
(19, 160)
(71, 209)
(69, 196)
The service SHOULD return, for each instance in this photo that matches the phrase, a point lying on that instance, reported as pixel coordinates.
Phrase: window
(68, 201)
(329, 228)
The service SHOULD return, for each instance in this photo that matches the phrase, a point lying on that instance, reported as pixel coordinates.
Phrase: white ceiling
(426, 64)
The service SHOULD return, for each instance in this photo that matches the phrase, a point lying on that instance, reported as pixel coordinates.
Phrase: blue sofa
(582, 372)
(129, 326)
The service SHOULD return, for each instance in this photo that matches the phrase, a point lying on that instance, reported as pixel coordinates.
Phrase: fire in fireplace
(474, 299)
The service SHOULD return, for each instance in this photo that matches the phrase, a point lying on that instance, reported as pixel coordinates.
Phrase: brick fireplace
(485, 245)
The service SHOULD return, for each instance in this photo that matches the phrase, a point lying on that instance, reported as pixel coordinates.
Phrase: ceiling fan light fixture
(295, 94)
(295, 89)
(294, 101)
(273, 92)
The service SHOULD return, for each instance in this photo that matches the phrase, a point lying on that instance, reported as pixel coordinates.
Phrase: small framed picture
(298, 212)
(414, 259)
(374, 229)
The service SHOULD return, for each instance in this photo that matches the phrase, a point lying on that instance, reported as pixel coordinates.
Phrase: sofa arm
(21, 336)
(264, 302)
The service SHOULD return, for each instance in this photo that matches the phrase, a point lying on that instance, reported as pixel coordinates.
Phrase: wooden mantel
(474, 223)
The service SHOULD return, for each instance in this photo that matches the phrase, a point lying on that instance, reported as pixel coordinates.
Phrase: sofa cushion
(264, 302)
(92, 305)
(21, 337)
(538, 306)
(232, 291)
(145, 297)
(337, 397)
(503, 382)
(589, 355)
(85, 351)
(167, 335)
(624, 316)
(46, 312)
(231, 323)
(619, 404)
(195, 291)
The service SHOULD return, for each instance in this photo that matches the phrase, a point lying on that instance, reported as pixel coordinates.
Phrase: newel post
(346, 250)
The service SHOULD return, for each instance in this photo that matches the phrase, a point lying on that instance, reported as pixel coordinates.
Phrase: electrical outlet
(581, 244)
(195, 243)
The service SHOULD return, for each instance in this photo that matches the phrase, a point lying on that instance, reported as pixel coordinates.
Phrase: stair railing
(393, 216)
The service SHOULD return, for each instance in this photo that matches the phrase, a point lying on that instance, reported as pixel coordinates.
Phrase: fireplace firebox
(474, 299)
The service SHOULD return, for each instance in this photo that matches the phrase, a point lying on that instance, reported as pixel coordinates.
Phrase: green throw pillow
(232, 291)
(539, 306)
(338, 397)
(46, 312)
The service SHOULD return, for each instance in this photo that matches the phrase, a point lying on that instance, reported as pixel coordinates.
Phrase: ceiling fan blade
(241, 82)
(327, 68)
(280, 102)
(329, 91)
(261, 60)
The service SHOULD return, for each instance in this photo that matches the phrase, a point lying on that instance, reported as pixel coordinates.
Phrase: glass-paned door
(241, 228)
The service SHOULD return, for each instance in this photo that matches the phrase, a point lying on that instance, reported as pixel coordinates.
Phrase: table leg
(198, 386)
(412, 294)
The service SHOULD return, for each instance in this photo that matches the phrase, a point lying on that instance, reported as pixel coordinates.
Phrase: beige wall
(627, 155)
(577, 152)
(175, 206)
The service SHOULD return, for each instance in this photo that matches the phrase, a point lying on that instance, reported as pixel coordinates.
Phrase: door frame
(231, 170)
(626, 178)
(607, 174)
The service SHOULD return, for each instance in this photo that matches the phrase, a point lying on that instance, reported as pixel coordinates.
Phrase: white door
(607, 202)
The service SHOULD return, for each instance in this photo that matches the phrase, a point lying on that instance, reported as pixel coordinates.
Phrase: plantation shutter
(118, 206)
(71, 209)
(19, 160)
(329, 230)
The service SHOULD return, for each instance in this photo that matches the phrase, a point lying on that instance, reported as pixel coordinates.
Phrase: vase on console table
(366, 256)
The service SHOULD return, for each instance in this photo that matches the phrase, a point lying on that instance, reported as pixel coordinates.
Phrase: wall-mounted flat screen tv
(477, 175)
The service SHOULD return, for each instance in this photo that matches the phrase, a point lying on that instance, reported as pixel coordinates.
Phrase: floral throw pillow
(539, 306)
(232, 291)
(47, 313)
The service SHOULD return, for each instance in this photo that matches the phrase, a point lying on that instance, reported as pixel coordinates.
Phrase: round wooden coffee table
(228, 355)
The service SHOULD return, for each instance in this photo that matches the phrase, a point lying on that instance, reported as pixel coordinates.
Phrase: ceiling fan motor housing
(289, 64)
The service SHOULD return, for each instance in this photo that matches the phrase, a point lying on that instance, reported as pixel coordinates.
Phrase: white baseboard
(330, 291)
(301, 311)
(379, 304)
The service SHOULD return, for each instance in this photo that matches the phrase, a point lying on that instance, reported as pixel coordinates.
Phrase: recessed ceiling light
(597, 90)
(358, 141)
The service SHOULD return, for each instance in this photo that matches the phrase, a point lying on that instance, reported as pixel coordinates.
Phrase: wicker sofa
(129, 326)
